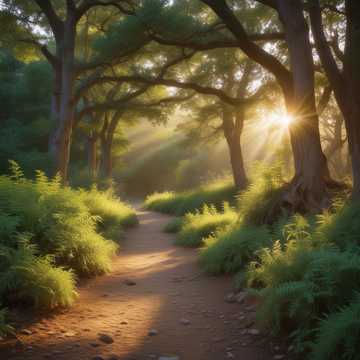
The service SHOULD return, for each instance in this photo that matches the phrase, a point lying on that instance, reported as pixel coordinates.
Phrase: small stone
(279, 357)
(94, 344)
(129, 282)
(152, 332)
(230, 355)
(240, 297)
(184, 321)
(105, 338)
(169, 357)
(230, 298)
(253, 332)
(124, 322)
(69, 334)
(26, 332)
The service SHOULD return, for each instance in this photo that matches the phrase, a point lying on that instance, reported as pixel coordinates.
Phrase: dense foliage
(51, 235)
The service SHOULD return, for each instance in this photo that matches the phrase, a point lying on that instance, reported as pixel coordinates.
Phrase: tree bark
(62, 136)
(106, 141)
(307, 191)
(346, 83)
(232, 127)
(92, 155)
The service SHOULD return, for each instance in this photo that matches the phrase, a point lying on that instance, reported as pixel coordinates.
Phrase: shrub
(213, 193)
(196, 226)
(339, 333)
(341, 227)
(47, 234)
(303, 280)
(25, 277)
(229, 250)
(174, 226)
(115, 215)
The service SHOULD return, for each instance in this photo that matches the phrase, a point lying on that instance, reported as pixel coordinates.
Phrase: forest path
(171, 296)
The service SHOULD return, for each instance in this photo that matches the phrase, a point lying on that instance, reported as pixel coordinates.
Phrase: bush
(196, 226)
(213, 193)
(115, 215)
(174, 226)
(25, 277)
(49, 233)
(229, 250)
(305, 280)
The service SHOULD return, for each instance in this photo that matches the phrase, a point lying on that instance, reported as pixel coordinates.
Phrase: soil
(156, 302)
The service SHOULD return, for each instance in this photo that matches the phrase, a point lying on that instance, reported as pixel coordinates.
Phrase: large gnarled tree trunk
(308, 190)
(345, 83)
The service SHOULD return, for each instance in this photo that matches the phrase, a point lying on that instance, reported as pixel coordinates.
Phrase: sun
(281, 119)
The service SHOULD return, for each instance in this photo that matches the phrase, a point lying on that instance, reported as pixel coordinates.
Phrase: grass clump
(258, 203)
(201, 224)
(174, 225)
(115, 215)
(212, 193)
(229, 250)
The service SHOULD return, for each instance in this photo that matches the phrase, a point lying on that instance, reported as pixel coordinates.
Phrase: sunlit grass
(212, 193)
(197, 226)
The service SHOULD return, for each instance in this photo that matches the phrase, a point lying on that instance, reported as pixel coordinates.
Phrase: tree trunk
(307, 192)
(232, 127)
(352, 83)
(106, 158)
(55, 108)
(346, 83)
(62, 136)
(92, 155)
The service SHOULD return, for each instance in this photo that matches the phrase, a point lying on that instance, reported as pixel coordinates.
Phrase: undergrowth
(212, 193)
(50, 235)
(201, 224)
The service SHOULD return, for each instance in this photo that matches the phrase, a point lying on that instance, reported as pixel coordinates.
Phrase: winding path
(185, 308)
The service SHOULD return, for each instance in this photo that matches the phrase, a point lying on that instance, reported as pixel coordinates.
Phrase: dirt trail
(169, 292)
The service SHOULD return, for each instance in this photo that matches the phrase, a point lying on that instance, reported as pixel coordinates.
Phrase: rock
(184, 321)
(26, 332)
(105, 338)
(129, 282)
(70, 334)
(230, 355)
(169, 357)
(97, 358)
(240, 297)
(230, 298)
(253, 332)
(124, 322)
(152, 332)
(94, 344)
(279, 357)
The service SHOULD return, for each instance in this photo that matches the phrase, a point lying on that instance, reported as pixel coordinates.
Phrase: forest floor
(155, 303)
